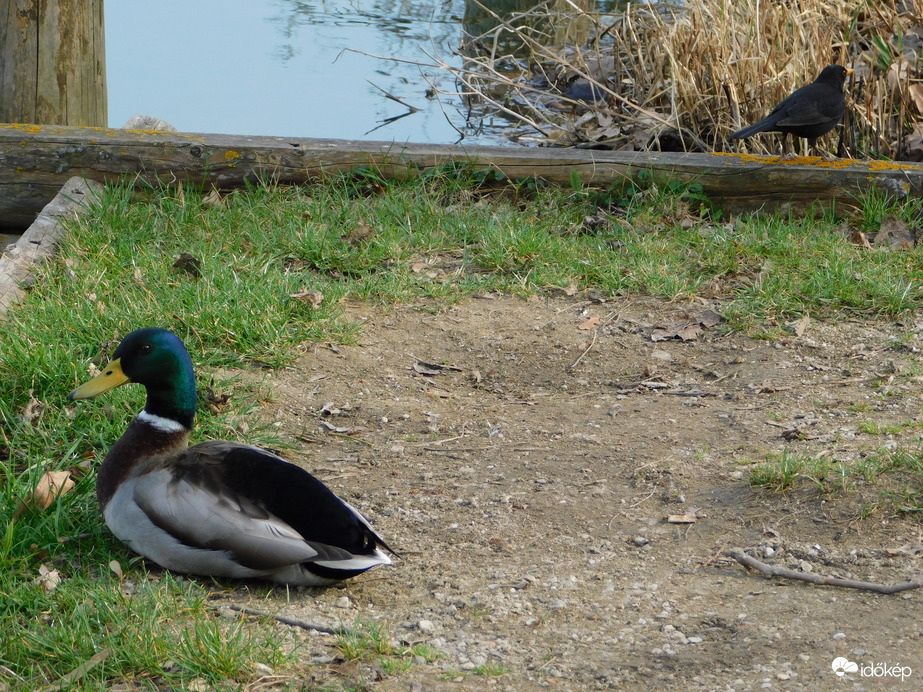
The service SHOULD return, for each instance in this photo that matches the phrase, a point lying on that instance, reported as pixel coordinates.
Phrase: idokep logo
(842, 665)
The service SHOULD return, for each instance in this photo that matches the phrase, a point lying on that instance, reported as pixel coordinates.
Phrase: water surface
(279, 68)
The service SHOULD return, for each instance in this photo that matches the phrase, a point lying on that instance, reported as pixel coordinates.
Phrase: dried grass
(685, 77)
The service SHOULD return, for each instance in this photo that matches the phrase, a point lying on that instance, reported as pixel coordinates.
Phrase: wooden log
(35, 161)
(39, 241)
(53, 62)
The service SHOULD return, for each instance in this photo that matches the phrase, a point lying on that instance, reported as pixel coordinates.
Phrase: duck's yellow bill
(110, 378)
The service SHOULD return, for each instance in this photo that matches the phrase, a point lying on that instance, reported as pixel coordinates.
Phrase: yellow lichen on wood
(23, 127)
(873, 165)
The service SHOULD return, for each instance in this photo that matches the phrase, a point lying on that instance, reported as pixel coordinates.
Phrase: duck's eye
(145, 349)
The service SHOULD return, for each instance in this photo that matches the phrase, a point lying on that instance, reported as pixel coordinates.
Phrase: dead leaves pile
(894, 235)
(688, 329)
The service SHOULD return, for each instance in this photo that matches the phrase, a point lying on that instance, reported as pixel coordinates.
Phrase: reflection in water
(400, 22)
(279, 68)
(538, 20)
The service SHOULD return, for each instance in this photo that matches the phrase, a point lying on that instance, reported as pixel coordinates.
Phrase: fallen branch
(291, 622)
(772, 571)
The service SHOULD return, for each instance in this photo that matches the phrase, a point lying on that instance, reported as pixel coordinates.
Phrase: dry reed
(685, 77)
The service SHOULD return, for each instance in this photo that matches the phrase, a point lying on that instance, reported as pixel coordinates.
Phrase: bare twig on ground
(773, 571)
(285, 620)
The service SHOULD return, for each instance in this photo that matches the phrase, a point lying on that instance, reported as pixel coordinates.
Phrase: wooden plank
(39, 241)
(53, 62)
(36, 160)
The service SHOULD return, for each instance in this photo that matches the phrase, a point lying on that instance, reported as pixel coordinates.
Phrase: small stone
(344, 602)
(839, 635)
(425, 625)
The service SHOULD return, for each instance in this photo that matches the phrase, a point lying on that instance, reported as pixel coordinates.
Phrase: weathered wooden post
(53, 62)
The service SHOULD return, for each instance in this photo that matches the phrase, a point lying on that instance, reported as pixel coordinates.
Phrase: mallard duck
(219, 508)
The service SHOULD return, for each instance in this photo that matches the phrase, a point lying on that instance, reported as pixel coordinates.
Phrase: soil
(525, 458)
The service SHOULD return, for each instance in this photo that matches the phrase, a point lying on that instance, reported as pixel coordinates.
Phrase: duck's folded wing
(202, 512)
(289, 493)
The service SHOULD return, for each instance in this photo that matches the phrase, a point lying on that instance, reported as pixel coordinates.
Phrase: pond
(295, 69)
(284, 68)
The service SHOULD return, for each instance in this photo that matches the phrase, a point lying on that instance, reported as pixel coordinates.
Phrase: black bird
(810, 112)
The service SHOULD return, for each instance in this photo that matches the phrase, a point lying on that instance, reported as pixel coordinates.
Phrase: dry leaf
(710, 318)
(33, 410)
(424, 368)
(48, 579)
(423, 268)
(685, 331)
(915, 89)
(82, 670)
(800, 326)
(591, 322)
(860, 239)
(314, 298)
(360, 232)
(116, 568)
(689, 331)
(50, 486)
(913, 143)
(213, 199)
(895, 235)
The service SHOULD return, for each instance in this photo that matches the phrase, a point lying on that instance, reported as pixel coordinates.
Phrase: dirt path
(528, 486)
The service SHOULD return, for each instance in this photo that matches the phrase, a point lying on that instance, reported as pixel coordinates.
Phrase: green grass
(878, 428)
(370, 640)
(882, 480)
(429, 243)
(147, 630)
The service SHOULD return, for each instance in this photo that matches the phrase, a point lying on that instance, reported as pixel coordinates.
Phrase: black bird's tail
(761, 126)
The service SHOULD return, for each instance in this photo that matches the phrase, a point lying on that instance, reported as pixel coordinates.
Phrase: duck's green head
(157, 359)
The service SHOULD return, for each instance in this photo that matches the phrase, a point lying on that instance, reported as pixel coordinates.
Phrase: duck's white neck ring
(166, 425)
